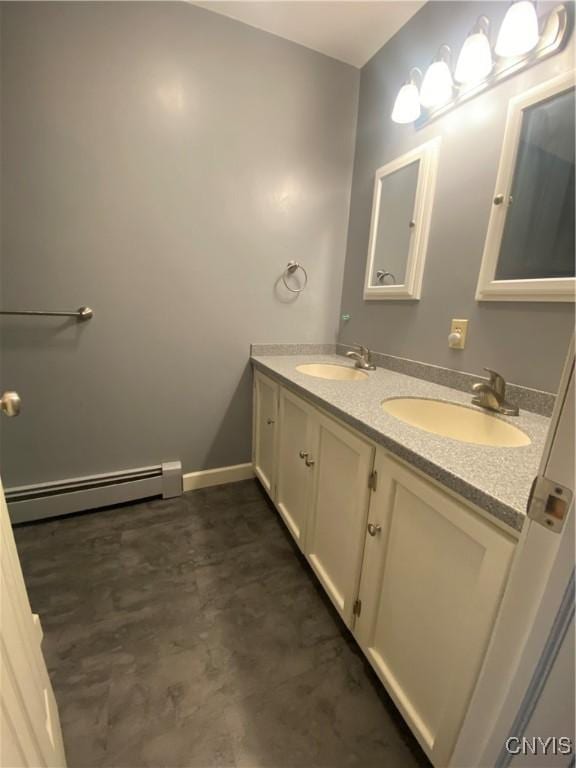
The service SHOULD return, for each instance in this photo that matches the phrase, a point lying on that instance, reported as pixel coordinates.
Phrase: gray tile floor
(191, 633)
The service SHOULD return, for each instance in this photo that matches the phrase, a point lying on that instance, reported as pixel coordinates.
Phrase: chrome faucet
(363, 358)
(491, 394)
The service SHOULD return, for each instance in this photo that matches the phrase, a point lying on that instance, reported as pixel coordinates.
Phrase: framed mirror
(529, 249)
(401, 214)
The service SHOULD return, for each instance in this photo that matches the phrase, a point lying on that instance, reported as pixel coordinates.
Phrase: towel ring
(292, 267)
(381, 274)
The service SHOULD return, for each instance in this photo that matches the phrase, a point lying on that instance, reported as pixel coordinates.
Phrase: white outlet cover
(461, 327)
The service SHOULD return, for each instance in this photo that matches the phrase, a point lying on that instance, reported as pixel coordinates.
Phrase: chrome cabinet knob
(303, 454)
(309, 462)
(270, 421)
(10, 403)
(374, 529)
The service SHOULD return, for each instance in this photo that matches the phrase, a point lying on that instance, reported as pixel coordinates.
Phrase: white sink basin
(456, 421)
(334, 372)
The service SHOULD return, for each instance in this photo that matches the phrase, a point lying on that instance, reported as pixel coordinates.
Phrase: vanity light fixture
(438, 85)
(524, 39)
(519, 31)
(475, 60)
(407, 104)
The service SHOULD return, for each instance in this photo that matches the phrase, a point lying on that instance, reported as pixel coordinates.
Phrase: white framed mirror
(400, 224)
(529, 248)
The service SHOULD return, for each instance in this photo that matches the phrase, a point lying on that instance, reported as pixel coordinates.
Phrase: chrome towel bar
(83, 313)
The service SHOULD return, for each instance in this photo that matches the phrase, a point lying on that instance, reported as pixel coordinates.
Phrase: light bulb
(519, 31)
(437, 85)
(475, 60)
(407, 104)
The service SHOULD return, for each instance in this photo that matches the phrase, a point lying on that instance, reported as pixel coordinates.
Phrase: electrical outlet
(458, 333)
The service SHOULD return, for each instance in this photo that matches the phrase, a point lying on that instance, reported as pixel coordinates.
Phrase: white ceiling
(349, 30)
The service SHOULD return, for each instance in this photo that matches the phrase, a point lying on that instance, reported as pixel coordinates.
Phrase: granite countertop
(497, 480)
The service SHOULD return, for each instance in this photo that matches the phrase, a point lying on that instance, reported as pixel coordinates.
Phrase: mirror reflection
(395, 222)
(538, 239)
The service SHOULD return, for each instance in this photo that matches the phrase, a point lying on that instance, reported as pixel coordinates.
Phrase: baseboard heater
(35, 502)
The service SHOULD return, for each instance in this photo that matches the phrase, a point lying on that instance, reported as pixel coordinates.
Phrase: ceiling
(351, 31)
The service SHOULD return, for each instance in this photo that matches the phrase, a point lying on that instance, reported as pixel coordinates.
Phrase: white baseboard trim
(208, 477)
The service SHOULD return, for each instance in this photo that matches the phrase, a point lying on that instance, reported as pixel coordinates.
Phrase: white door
(294, 473)
(30, 733)
(264, 431)
(341, 466)
(542, 733)
(526, 689)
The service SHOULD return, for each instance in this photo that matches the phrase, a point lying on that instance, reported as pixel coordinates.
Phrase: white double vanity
(415, 570)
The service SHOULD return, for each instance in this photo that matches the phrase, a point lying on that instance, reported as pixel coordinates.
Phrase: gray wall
(527, 342)
(161, 163)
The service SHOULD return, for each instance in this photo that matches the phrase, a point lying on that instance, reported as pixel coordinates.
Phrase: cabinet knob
(309, 462)
(374, 529)
(270, 421)
(303, 454)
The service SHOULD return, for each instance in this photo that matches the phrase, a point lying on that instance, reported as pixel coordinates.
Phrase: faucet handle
(361, 350)
(497, 381)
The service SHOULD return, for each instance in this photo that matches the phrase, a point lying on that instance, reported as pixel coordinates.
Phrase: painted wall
(527, 342)
(162, 164)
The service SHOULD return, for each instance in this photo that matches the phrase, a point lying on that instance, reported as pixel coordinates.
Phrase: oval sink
(334, 372)
(456, 421)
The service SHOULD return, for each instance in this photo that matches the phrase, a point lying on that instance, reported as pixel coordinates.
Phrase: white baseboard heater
(35, 502)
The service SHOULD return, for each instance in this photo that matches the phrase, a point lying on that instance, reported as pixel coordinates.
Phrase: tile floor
(190, 633)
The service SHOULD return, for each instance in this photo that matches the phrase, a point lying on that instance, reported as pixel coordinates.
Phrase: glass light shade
(519, 31)
(437, 85)
(407, 104)
(475, 60)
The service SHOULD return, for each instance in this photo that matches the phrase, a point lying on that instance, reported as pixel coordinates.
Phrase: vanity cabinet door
(338, 511)
(265, 415)
(432, 581)
(296, 434)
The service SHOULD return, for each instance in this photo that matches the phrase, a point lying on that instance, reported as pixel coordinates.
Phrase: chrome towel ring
(291, 268)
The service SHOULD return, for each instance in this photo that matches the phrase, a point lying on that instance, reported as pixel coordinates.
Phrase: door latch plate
(549, 503)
